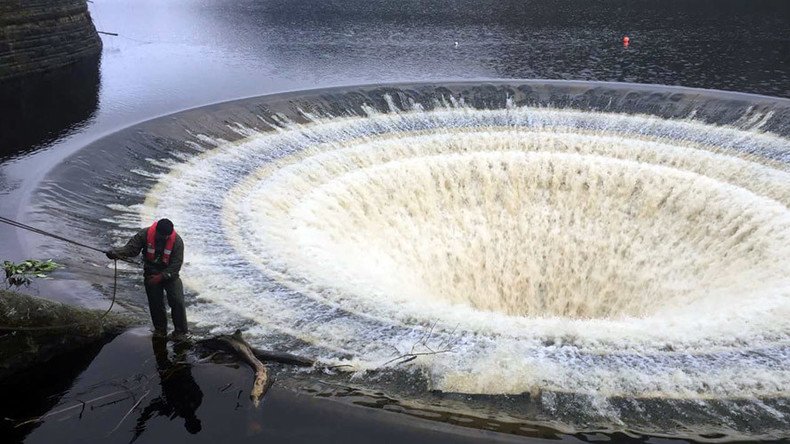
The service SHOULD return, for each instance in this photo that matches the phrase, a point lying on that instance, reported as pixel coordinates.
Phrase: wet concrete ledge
(185, 400)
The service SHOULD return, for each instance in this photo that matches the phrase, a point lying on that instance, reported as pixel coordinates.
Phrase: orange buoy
(626, 41)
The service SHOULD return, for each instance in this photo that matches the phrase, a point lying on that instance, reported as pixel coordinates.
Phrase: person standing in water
(163, 254)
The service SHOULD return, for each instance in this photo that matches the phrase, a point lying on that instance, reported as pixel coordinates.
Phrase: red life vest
(150, 245)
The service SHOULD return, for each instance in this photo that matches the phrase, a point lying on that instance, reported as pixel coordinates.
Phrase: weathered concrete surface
(42, 35)
(26, 336)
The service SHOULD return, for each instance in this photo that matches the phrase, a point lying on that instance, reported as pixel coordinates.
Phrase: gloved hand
(154, 279)
(111, 255)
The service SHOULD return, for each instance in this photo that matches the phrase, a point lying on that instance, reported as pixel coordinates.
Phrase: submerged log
(282, 358)
(237, 345)
(263, 355)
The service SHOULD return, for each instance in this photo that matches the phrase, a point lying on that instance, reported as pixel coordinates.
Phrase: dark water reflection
(39, 109)
(38, 390)
(131, 394)
(180, 395)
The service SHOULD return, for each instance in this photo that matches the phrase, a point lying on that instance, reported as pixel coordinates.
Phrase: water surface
(180, 54)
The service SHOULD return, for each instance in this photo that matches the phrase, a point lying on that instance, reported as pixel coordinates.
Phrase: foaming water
(601, 262)
(496, 227)
(517, 230)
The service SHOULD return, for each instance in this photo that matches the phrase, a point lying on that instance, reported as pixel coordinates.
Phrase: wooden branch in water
(263, 355)
(128, 413)
(237, 345)
(283, 358)
(444, 346)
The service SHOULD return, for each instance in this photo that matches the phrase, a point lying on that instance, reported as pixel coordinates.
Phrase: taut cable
(20, 225)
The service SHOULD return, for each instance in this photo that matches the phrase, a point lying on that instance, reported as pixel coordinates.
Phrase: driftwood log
(282, 358)
(236, 345)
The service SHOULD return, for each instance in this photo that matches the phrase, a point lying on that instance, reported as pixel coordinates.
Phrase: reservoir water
(642, 290)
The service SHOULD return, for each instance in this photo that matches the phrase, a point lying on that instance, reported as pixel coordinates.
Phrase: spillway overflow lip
(151, 151)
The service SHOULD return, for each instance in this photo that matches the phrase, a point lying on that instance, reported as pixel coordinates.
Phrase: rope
(16, 224)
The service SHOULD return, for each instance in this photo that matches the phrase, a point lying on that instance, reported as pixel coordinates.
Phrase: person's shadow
(181, 396)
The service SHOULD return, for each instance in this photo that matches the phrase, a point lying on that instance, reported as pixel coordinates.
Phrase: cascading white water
(559, 250)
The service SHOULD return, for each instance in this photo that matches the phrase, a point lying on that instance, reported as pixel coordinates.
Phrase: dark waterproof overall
(170, 284)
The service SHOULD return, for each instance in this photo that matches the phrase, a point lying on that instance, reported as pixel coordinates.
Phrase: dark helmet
(164, 227)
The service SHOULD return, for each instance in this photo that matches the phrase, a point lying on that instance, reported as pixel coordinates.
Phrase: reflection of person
(163, 253)
(181, 396)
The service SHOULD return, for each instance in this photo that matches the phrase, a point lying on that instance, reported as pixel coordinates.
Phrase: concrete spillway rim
(645, 87)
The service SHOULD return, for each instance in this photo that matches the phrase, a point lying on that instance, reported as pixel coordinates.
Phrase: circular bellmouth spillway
(616, 255)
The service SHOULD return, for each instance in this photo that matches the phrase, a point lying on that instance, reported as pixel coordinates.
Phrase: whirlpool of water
(625, 258)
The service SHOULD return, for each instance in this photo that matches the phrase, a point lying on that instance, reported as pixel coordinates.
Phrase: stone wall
(42, 35)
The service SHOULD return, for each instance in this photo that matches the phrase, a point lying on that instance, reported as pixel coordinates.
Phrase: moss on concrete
(34, 330)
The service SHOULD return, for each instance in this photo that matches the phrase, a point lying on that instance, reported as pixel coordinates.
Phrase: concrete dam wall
(42, 35)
